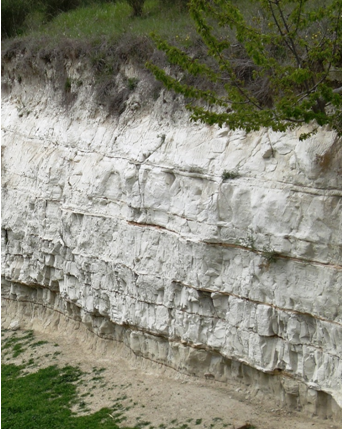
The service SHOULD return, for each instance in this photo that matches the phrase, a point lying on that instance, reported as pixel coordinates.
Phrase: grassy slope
(104, 35)
(112, 20)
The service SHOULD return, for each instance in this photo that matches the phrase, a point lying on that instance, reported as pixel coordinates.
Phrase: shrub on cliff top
(137, 6)
(278, 70)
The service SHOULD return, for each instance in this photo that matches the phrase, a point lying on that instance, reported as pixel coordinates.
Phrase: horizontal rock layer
(135, 226)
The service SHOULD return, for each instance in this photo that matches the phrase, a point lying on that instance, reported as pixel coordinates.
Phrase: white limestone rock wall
(127, 224)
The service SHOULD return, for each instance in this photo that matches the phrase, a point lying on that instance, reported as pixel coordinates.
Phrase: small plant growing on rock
(249, 241)
(132, 83)
(162, 137)
(67, 85)
(229, 175)
(270, 256)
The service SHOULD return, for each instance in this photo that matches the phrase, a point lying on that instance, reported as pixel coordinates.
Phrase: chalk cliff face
(129, 224)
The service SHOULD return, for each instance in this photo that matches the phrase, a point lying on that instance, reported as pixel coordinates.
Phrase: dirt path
(160, 397)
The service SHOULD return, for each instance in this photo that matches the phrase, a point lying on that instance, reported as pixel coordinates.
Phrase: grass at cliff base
(43, 400)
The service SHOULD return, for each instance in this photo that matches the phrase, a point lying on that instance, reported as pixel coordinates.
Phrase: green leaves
(274, 70)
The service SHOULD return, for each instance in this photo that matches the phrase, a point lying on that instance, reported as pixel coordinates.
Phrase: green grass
(114, 20)
(43, 400)
(17, 344)
(11, 341)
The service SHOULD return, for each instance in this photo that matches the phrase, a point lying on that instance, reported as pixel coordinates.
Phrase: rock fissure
(287, 310)
(150, 225)
(276, 255)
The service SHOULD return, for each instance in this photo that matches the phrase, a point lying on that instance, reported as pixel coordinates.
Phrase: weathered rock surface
(127, 224)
